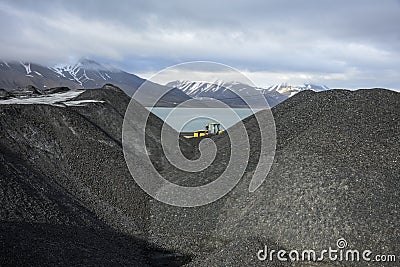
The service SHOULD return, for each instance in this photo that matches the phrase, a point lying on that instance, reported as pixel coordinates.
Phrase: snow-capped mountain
(15, 75)
(225, 91)
(218, 89)
(84, 74)
(290, 90)
(90, 74)
(78, 71)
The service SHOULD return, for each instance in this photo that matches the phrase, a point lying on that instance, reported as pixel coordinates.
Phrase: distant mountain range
(85, 74)
(88, 73)
(225, 91)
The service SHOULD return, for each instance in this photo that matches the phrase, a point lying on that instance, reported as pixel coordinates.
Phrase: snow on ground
(81, 102)
(59, 99)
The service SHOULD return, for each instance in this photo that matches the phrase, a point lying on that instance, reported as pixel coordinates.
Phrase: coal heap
(68, 197)
(335, 175)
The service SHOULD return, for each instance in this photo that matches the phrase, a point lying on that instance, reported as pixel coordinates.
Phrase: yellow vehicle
(212, 128)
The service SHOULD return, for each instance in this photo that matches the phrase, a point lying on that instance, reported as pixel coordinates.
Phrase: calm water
(192, 119)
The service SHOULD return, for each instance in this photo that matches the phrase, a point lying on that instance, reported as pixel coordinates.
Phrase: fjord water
(177, 118)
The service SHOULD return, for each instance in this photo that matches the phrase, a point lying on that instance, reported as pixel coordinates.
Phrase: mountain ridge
(85, 74)
(225, 90)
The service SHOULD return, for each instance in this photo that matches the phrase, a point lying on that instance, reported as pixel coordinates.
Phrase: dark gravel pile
(43, 224)
(64, 178)
(335, 175)
(67, 195)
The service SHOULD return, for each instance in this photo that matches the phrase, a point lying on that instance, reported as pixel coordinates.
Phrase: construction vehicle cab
(214, 128)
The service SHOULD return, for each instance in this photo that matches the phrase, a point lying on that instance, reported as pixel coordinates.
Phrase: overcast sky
(343, 44)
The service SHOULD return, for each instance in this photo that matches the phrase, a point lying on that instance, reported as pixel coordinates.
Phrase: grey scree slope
(335, 175)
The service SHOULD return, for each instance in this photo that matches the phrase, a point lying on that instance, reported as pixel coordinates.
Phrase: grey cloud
(315, 37)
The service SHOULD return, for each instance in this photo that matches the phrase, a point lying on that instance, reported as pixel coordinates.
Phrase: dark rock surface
(63, 174)
(34, 91)
(67, 191)
(27, 91)
(43, 224)
(4, 94)
(54, 90)
(335, 176)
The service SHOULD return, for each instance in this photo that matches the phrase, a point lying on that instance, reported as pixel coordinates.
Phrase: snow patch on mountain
(291, 90)
(5, 63)
(78, 71)
(27, 67)
(38, 73)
